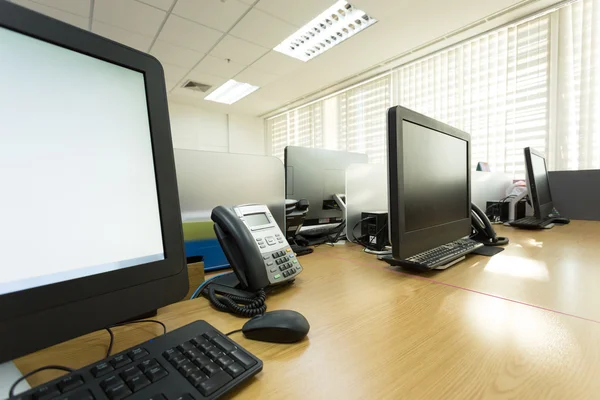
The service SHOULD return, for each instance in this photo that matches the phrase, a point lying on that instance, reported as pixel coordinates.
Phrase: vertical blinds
(495, 87)
(536, 83)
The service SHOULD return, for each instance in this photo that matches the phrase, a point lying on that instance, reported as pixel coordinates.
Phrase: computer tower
(374, 229)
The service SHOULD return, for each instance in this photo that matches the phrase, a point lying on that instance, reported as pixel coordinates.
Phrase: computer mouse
(279, 326)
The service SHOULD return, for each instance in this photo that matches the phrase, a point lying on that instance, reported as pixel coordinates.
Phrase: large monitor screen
(435, 173)
(65, 211)
(540, 175)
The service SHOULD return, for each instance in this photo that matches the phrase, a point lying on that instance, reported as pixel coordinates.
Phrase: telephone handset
(254, 246)
(483, 230)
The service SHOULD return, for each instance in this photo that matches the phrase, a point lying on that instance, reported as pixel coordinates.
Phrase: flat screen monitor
(538, 183)
(317, 175)
(91, 230)
(429, 182)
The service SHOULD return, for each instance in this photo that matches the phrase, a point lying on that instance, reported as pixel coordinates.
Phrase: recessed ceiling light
(334, 25)
(231, 91)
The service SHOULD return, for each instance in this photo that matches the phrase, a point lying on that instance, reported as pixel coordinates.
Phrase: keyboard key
(223, 344)
(193, 354)
(120, 361)
(137, 353)
(178, 360)
(214, 353)
(70, 382)
(111, 382)
(80, 395)
(186, 396)
(46, 392)
(206, 347)
(234, 370)
(118, 392)
(202, 360)
(196, 377)
(148, 365)
(156, 373)
(101, 369)
(130, 373)
(211, 369)
(214, 383)
(242, 358)
(197, 341)
(224, 361)
(186, 346)
(138, 382)
(210, 335)
(186, 368)
(169, 354)
(159, 396)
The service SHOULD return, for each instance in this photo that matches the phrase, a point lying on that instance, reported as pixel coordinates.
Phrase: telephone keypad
(286, 264)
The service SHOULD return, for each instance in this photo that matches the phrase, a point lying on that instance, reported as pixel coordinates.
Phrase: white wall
(195, 128)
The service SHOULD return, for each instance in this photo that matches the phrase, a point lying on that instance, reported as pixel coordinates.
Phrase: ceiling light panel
(334, 25)
(231, 91)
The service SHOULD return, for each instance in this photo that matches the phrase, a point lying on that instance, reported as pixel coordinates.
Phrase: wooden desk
(377, 333)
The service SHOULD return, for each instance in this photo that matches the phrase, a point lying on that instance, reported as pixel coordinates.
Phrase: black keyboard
(441, 255)
(193, 362)
(537, 223)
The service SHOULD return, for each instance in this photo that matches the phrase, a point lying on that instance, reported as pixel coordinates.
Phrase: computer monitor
(538, 184)
(317, 175)
(429, 182)
(90, 231)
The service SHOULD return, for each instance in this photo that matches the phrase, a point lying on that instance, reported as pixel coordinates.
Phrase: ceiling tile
(130, 15)
(162, 4)
(135, 40)
(294, 11)
(255, 77)
(77, 7)
(173, 72)
(76, 20)
(170, 84)
(215, 14)
(218, 67)
(277, 63)
(238, 50)
(262, 29)
(188, 34)
(176, 55)
(207, 79)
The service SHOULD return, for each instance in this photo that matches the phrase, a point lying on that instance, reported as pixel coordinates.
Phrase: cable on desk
(226, 302)
(203, 284)
(112, 336)
(232, 332)
(11, 391)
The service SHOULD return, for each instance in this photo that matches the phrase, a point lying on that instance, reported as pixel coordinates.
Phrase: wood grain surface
(380, 333)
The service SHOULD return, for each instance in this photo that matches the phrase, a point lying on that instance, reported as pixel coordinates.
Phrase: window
(535, 83)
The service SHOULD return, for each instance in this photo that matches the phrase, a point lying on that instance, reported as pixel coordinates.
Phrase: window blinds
(535, 83)
(495, 87)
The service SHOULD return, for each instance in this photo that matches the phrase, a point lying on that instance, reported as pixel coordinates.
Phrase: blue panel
(210, 250)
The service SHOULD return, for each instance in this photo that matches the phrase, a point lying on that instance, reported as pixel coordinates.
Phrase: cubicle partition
(208, 179)
(576, 194)
(366, 190)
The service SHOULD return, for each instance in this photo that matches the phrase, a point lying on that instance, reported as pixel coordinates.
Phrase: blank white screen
(78, 189)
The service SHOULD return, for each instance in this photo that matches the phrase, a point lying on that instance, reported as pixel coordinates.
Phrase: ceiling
(211, 41)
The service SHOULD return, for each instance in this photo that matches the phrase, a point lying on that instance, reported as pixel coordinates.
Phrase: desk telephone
(254, 246)
(482, 229)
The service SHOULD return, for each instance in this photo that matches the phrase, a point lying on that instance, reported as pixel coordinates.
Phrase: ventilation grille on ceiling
(196, 86)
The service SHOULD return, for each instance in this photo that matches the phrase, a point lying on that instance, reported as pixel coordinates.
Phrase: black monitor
(318, 175)
(429, 182)
(538, 184)
(91, 228)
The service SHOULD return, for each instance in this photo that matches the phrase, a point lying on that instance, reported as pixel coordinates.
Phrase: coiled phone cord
(230, 303)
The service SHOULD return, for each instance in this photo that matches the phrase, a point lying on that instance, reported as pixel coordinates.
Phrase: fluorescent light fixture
(334, 25)
(231, 91)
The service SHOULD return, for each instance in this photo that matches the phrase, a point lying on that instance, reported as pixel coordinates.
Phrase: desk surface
(379, 332)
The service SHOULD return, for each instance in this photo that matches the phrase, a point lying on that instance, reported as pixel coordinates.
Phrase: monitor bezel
(539, 210)
(406, 244)
(93, 302)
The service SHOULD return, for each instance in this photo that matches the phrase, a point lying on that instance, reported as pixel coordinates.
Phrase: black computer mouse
(279, 326)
